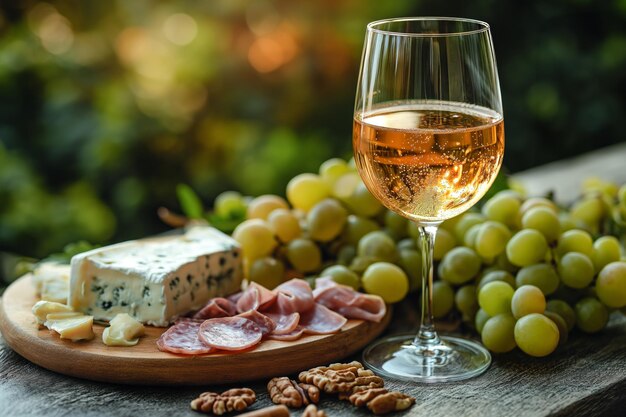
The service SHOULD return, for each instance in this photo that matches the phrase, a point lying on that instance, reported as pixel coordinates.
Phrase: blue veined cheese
(156, 280)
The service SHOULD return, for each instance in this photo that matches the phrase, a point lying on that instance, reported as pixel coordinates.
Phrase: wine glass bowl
(428, 139)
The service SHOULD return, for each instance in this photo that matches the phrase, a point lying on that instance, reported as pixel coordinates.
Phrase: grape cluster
(523, 272)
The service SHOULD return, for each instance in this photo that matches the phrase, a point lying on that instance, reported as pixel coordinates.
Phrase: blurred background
(106, 106)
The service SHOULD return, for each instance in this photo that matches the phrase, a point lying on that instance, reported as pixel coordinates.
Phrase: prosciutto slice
(182, 338)
(285, 324)
(321, 320)
(230, 333)
(293, 296)
(348, 302)
(216, 307)
(266, 324)
(255, 297)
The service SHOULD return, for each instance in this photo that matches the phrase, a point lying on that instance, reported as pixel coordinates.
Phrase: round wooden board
(145, 364)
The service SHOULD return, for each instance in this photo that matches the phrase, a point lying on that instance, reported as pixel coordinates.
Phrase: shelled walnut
(381, 401)
(292, 394)
(341, 377)
(236, 399)
(312, 411)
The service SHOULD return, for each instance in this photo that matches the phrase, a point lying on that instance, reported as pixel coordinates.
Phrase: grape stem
(427, 336)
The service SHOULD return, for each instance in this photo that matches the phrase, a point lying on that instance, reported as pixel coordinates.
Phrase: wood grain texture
(145, 364)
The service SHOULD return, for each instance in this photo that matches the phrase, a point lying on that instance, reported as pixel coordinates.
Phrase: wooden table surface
(585, 377)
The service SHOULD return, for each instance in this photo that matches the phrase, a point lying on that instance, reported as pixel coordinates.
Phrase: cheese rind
(156, 280)
(123, 331)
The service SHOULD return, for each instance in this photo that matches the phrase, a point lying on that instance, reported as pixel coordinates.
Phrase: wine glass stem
(427, 336)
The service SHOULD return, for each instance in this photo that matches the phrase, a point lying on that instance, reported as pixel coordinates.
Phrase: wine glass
(428, 140)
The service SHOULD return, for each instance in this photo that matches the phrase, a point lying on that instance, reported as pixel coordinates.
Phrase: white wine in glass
(428, 141)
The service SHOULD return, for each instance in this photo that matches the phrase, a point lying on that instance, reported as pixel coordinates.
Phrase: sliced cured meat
(230, 333)
(255, 297)
(182, 338)
(321, 320)
(293, 335)
(293, 296)
(348, 302)
(216, 307)
(285, 323)
(235, 297)
(266, 324)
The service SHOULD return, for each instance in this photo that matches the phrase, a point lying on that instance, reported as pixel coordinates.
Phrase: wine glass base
(454, 359)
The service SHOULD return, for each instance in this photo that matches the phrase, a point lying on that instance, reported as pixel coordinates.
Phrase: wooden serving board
(145, 364)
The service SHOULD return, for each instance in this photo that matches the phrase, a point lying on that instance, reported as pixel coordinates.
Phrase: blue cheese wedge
(156, 280)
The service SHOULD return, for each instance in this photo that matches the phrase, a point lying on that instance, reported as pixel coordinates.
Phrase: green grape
(566, 222)
(360, 263)
(560, 324)
(534, 202)
(541, 275)
(466, 301)
(304, 255)
(449, 225)
(495, 298)
(591, 315)
(411, 261)
(544, 220)
(564, 310)
(230, 204)
(356, 227)
(576, 270)
(502, 262)
(255, 237)
(621, 194)
(342, 275)
(443, 299)
(498, 333)
(306, 190)
(464, 223)
(363, 203)
(504, 208)
(459, 265)
(396, 225)
(526, 247)
(594, 185)
(262, 206)
(536, 335)
(284, 224)
(444, 243)
(407, 243)
(611, 285)
(346, 254)
(332, 169)
(491, 239)
(326, 220)
(413, 231)
(496, 275)
(386, 280)
(606, 249)
(589, 210)
(527, 299)
(379, 245)
(267, 271)
(575, 240)
(480, 319)
(469, 239)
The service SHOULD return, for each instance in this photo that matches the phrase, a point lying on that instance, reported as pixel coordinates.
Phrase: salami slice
(266, 324)
(285, 323)
(182, 338)
(321, 320)
(216, 307)
(230, 333)
(293, 335)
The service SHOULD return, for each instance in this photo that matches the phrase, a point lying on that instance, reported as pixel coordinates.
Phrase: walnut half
(341, 378)
(312, 411)
(288, 392)
(236, 399)
(381, 401)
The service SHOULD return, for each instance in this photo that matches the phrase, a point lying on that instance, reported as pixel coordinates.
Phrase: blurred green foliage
(107, 106)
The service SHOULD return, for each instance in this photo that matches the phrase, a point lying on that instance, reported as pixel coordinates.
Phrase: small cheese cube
(73, 326)
(156, 280)
(123, 331)
(42, 308)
